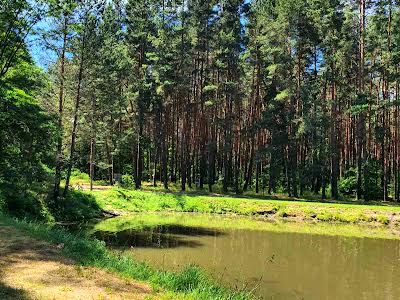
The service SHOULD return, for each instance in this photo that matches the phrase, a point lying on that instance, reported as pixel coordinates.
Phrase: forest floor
(33, 269)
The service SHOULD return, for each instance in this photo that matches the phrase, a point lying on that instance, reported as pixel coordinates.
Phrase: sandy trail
(32, 269)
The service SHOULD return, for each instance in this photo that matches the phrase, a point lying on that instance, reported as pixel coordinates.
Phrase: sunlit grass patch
(133, 201)
(149, 221)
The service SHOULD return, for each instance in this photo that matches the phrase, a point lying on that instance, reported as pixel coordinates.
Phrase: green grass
(148, 221)
(129, 201)
(191, 283)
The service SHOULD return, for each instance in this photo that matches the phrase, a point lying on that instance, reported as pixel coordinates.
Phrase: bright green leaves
(27, 136)
(283, 95)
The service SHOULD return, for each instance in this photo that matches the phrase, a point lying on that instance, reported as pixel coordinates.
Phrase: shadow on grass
(9, 293)
(8, 247)
(91, 252)
(165, 236)
(77, 207)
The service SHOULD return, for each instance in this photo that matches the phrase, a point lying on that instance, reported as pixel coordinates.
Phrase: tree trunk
(59, 155)
(76, 112)
(334, 145)
(361, 118)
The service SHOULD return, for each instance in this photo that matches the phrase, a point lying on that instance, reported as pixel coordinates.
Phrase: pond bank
(34, 269)
(190, 283)
(146, 221)
(125, 201)
(280, 261)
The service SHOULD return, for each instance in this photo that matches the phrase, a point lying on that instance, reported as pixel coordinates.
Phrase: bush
(24, 203)
(77, 207)
(77, 175)
(383, 219)
(348, 184)
(372, 180)
(127, 181)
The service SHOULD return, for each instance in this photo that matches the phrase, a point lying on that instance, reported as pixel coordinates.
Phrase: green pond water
(280, 261)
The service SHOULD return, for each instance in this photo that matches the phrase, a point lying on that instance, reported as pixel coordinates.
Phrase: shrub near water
(77, 206)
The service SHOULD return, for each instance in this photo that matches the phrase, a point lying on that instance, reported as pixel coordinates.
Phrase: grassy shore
(149, 221)
(129, 201)
(383, 221)
(191, 283)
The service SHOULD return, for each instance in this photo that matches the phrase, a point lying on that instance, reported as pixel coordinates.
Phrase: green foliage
(383, 219)
(372, 180)
(26, 141)
(28, 78)
(27, 131)
(23, 203)
(77, 175)
(144, 201)
(283, 95)
(348, 183)
(77, 207)
(353, 226)
(2, 202)
(127, 181)
(210, 88)
(34, 205)
(27, 137)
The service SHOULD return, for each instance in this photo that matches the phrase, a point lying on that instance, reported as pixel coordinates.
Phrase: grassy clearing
(149, 221)
(124, 200)
(191, 283)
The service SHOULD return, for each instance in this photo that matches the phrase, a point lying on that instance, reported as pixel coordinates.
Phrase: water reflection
(163, 236)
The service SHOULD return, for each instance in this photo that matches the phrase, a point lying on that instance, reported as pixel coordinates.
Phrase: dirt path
(86, 187)
(31, 269)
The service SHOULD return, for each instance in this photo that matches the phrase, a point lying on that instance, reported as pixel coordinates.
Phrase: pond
(279, 261)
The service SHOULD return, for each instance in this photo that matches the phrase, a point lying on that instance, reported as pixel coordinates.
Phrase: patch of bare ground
(86, 187)
(32, 269)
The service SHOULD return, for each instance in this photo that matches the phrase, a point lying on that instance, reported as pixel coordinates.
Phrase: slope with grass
(191, 283)
(34, 269)
(125, 201)
(149, 222)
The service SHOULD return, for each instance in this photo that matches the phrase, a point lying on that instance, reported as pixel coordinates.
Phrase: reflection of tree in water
(165, 236)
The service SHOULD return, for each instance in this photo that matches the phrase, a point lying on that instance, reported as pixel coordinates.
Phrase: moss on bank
(192, 283)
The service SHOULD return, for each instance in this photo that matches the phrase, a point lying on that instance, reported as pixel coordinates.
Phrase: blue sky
(44, 57)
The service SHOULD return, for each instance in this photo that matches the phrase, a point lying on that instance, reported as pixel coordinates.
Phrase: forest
(285, 96)
(226, 107)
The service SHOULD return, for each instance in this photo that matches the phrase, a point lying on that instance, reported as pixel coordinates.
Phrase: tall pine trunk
(76, 112)
(361, 96)
(59, 155)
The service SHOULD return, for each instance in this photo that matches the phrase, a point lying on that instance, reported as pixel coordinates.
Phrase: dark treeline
(292, 96)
